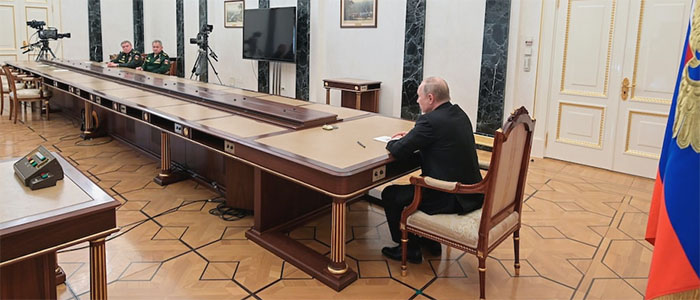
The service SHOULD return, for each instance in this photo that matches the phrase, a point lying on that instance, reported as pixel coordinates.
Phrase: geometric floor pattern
(582, 236)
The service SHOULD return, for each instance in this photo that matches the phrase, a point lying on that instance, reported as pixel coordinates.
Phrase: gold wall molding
(14, 28)
(629, 126)
(633, 97)
(27, 18)
(598, 145)
(603, 94)
(13, 55)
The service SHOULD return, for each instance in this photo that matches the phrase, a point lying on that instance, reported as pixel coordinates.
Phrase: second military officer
(158, 61)
(128, 57)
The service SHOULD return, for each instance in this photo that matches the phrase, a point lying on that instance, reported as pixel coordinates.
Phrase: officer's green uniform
(157, 63)
(129, 60)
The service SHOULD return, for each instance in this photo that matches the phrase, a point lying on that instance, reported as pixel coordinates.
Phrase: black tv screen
(270, 34)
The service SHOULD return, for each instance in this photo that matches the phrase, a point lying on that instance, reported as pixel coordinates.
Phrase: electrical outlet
(98, 100)
(122, 109)
(229, 147)
(378, 173)
(178, 128)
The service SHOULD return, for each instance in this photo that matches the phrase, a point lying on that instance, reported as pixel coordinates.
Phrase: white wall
(158, 24)
(117, 25)
(74, 20)
(365, 53)
(453, 44)
(455, 54)
(521, 85)
(227, 44)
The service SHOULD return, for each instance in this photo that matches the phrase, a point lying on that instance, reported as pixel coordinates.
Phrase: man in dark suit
(444, 140)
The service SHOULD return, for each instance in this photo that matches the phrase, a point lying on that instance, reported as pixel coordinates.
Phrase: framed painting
(358, 13)
(233, 13)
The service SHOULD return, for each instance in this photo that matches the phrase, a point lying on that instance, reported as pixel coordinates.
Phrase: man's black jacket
(445, 141)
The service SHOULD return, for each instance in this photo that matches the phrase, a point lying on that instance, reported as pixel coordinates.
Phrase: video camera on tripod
(50, 33)
(202, 40)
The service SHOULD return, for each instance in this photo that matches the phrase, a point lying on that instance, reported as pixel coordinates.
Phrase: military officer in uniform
(158, 61)
(128, 57)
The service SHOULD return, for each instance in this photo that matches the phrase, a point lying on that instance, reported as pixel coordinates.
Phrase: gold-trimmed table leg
(98, 269)
(337, 265)
(167, 175)
(88, 130)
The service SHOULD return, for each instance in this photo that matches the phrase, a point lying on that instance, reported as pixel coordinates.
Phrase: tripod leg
(52, 54)
(215, 72)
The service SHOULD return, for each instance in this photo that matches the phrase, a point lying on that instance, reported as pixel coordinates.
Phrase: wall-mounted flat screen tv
(270, 34)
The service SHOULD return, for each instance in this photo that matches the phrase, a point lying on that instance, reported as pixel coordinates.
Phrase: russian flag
(674, 218)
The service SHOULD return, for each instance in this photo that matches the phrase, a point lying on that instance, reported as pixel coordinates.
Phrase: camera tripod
(198, 64)
(43, 52)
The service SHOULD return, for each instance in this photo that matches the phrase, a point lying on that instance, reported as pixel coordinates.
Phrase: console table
(355, 93)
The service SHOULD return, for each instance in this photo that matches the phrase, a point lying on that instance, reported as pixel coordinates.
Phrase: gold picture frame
(233, 13)
(358, 13)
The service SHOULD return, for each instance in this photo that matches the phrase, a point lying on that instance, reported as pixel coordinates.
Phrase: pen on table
(363, 146)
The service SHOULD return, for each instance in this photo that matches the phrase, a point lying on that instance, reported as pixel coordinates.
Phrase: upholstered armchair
(480, 231)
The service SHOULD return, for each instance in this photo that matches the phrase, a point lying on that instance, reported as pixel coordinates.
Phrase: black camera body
(202, 39)
(50, 33)
(36, 24)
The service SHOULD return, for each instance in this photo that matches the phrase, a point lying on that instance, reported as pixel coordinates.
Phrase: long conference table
(277, 158)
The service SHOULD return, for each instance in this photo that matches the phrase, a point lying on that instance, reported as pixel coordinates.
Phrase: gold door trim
(604, 94)
(537, 66)
(26, 17)
(599, 145)
(627, 134)
(14, 55)
(14, 28)
(636, 63)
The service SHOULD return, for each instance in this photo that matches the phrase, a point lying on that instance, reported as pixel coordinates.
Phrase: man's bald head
(432, 92)
(437, 87)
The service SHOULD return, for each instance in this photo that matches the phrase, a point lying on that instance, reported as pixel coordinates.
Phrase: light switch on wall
(527, 54)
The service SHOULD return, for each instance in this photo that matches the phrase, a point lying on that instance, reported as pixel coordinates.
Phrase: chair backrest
(10, 79)
(173, 66)
(508, 169)
(2, 74)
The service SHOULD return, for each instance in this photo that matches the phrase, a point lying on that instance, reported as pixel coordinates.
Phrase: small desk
(35, 224)
(355, 93)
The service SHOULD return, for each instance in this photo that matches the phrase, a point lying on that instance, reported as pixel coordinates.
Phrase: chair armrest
(447, 186)
(438, 185)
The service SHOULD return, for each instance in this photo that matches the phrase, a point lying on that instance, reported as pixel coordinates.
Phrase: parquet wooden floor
(582, 236)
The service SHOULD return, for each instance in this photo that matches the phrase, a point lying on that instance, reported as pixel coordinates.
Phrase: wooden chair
(36, 94)
(5, 91)
(173, 66)
(480, 231)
